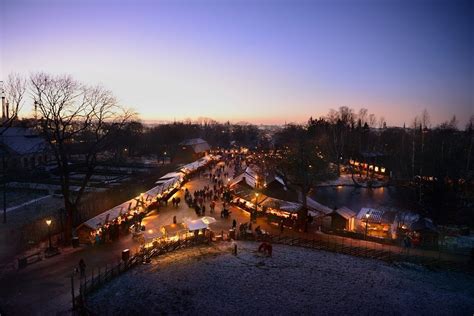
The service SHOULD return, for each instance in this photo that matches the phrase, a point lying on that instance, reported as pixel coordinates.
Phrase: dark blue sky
(260, 61)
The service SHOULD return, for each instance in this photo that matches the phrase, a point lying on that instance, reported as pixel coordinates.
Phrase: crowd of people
(206, 198)
(119, 226)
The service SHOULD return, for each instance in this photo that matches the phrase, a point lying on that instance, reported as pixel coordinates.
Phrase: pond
(355, 198)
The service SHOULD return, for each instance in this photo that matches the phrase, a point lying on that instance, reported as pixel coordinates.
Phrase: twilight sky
(266, 61)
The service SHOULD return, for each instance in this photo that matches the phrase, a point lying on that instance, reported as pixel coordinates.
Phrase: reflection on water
(355, 197)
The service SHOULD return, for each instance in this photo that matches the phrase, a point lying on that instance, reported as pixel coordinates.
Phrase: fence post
(85, 281)
(72, 293)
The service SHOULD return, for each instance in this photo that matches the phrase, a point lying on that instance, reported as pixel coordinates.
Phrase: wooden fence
(89, 283)
(389, 253)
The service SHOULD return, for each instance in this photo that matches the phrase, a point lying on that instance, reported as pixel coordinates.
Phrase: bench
(24, 261)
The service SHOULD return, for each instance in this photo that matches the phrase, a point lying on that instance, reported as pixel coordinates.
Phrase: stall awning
(190, 167)
(175, 174)
(111, 214)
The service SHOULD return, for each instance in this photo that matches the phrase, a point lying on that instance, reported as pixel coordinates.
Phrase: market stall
(103, 226)
(107, 225)
(174, 231)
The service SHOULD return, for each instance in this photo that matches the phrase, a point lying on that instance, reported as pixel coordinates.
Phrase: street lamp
(367, 215)
(256, 206)
(48, 222)
(4, 181)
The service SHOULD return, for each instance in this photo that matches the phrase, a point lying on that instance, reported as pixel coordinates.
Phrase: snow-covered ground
(209, 280)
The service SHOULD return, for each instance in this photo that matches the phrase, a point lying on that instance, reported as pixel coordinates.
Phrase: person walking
(234, 224)
(82, 268)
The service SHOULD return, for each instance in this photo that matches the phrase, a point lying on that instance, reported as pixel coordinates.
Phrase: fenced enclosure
(342, 245)
(385, 252)
(100, 276)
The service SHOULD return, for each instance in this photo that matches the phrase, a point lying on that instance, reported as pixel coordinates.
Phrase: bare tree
(75, 115)
(363, 116)
(425, 119)
(469, 131)
(340, 122)
(12, 99)
(372, 120)
(382, 122)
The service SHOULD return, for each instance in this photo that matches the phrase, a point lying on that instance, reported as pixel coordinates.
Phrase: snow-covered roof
(280, 180)
(375, 215)
(192, 141)
(176, 174)
(198, 163)
(195, 224)
(111, 214)
(282, 205)
(162, 186)
(345, 212)
(250, 177)
(199, 145)
(22, 141)
(312, 204)
(166, 182)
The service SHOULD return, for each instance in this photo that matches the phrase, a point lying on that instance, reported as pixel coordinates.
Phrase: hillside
(210, 280)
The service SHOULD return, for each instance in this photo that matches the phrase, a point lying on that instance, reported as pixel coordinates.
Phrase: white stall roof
(195, 224)
(345, 212)
(110, 215)
(176, 174)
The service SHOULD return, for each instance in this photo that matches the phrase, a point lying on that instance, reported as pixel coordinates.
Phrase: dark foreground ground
(210, 280)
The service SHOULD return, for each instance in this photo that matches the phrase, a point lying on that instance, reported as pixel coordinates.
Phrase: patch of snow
(210, 280)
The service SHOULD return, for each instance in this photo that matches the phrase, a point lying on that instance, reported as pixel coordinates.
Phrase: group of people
(111, 231)
(176, 201)
(198, 198)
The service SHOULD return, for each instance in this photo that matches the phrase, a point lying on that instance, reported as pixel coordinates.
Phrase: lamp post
(4, 166)
(256, 206)
(367, 215)
(48, 222)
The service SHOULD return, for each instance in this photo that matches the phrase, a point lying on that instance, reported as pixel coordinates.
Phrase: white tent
(208, 220)
(195, 224)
